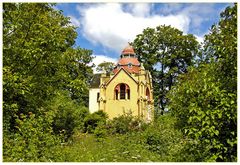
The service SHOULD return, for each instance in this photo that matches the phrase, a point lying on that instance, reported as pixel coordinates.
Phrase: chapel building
(127, 88)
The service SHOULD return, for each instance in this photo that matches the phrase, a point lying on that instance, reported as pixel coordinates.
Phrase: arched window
(116, 94)
(122, 91)
(128, 94)
(148, 93)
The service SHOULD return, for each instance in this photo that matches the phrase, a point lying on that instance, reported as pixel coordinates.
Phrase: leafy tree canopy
(105, 67)
(39, 58)
(205, 99)
(40, 61)
(166, 52)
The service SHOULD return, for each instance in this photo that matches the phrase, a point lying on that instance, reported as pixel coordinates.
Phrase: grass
(159, 142)
(117, 148)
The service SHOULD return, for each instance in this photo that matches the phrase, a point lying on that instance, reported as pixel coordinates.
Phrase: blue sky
(106, 28)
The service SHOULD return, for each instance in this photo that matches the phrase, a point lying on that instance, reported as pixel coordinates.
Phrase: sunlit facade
(128, 88)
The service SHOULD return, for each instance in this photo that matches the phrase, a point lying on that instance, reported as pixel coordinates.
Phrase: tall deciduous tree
(76, 73)
(39, 61)
(205, 99)
(166, 52)
(38, 57)
(221, 47)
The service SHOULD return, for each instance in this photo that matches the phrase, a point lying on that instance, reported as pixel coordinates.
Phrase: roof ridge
(118, 73)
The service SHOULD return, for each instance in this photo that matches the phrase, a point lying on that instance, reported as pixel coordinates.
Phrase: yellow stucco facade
(124, 90)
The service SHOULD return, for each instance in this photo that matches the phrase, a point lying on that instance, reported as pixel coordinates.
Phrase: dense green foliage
(68, 115)
(124, 124)
(206, 113)
(205, 99)
(38, 58)
(92, 121)
(45, 94)
(166, 52)
(134, 146)
(105, 67)
(33, 139)
(39, 62)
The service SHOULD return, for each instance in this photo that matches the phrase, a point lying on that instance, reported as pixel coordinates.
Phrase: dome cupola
(128, 50)
(128, 60)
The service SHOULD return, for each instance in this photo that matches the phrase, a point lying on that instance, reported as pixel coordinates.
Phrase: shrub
(93, 120)
(164, 139)
(100, 132)
(205, 99)
(207, 113)
(33, 140)
(125, 123)
(68, 116)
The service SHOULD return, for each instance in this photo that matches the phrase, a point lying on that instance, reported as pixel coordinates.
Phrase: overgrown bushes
(206, 113)
(125, 123)
(93, 120)
(161, 137)
(158, 141)
(68, 115)
(99, 124)
(33, 139)
(38, 137)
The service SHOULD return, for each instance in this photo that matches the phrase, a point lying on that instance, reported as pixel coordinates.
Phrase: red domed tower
(128, 60)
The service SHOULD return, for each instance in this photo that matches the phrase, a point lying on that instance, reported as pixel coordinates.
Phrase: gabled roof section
(95, 81)
(118, 73)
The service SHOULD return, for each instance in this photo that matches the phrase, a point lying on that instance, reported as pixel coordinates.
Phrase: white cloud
(140, 9)
(74, 21)
(199, 39)
(171, 7)
(111, 26)
(101, 58)
(198, 13)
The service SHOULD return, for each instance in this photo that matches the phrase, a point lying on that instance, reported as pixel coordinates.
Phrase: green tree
(221, 47)
(75, 73)
(39, 60)
(105, 66)
(205, 99)
(33, 43)
(166, 52)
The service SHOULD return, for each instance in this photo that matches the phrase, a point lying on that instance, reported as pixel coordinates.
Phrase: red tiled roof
(133, 69)
(128, 50)
(127, 60)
